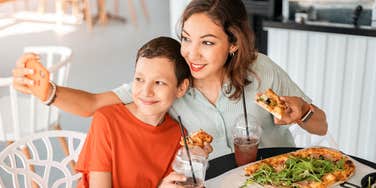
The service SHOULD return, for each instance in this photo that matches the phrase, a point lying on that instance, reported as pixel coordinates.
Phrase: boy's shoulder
(111, 110)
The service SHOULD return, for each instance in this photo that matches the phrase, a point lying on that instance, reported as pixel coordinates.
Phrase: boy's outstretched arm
(83, 103)
(70, 100)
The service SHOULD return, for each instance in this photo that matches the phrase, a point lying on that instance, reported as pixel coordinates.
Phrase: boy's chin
(152, 112)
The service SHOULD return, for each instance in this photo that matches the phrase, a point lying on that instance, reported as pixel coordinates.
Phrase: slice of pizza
(197, 139)
(318, 167)
(270, 102)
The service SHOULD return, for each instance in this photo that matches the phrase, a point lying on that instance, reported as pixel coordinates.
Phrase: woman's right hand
(20, 81)
(170, 180)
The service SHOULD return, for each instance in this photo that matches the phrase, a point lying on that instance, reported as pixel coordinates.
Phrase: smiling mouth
(197, 67)
(148, 102)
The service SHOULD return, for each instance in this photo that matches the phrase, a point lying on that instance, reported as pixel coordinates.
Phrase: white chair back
(21, 115)
(50, 169)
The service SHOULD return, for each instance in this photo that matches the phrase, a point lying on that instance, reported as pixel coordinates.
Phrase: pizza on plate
(316, 167)
(197, 139)
(270, 102)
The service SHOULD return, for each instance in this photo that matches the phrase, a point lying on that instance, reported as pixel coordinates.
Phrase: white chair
(22, 115)
(45, 168)
(304, 139)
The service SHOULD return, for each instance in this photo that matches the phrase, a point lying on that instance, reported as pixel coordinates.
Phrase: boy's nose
(148, 90)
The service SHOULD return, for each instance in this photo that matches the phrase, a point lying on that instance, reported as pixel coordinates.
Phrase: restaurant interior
(327, 47)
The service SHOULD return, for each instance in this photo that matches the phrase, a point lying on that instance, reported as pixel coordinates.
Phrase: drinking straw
(245, 115)
(187, 149)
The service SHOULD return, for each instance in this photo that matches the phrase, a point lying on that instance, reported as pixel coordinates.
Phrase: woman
(218, 45)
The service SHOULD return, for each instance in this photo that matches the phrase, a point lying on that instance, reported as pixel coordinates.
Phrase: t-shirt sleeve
(96, 152)
(124, 92)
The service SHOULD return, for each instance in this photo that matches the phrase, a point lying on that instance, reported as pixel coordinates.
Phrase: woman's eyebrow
(209, 35)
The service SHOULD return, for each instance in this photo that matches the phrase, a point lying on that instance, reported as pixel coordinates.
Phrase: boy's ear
(182, 88)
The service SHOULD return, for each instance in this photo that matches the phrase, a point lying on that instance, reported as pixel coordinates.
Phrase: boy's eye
(208, 43)
(184, 39)
(138, 79)
(160, 83)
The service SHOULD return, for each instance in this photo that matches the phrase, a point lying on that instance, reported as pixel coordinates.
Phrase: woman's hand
(170, 180)
(296, 109)
(20, 82)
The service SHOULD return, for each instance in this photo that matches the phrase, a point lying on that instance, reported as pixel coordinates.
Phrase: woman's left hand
(296, 108)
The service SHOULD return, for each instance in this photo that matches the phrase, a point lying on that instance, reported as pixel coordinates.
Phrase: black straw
(245, 115)
(187, 149)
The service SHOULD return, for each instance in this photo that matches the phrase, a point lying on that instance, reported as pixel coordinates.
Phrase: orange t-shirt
(137, 154)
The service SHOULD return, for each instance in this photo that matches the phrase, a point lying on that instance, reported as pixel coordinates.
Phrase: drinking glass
(246, 137)
(181, 165)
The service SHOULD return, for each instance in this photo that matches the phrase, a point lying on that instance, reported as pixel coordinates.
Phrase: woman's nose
(193, 52)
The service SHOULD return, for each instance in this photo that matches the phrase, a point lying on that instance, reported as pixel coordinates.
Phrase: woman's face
(205, 46)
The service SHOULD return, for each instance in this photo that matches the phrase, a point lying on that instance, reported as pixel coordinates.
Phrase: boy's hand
(170, 180)
(31, 77)
(20, 81)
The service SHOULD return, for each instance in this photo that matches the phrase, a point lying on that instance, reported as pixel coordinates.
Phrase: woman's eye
(208, 43)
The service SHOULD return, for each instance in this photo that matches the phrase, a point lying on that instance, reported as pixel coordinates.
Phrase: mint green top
(197, 112)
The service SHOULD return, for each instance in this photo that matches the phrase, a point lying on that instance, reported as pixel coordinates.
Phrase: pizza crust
(197, 139)
(270, 101)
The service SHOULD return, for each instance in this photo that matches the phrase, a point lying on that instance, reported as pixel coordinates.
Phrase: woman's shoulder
(265, 66)
(266, 71)
(263, 63)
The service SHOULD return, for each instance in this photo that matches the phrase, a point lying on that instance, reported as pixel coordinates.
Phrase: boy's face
(154, 86)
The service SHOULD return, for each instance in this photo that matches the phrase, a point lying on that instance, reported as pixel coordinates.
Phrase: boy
(134, 145)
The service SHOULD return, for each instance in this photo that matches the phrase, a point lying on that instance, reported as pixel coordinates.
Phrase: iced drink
(190, 183)
(245, 150)
(246, 136)
(181, 165)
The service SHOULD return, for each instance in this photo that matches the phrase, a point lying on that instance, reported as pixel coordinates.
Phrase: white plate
(235, 177)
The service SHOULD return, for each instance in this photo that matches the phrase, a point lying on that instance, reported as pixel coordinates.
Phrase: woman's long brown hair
(231, 15)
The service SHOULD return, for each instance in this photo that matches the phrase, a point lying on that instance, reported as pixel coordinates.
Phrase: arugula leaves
(295, 170)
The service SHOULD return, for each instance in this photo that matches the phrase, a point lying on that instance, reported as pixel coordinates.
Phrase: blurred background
(103, 56)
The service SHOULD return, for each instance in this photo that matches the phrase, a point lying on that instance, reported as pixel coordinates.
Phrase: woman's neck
(207, 84)
(153, 120)
(209, 87)
(213, 79)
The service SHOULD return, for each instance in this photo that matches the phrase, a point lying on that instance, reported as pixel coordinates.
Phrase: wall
(338, 72)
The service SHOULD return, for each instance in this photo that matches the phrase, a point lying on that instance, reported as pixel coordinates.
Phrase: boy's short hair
(168, 48)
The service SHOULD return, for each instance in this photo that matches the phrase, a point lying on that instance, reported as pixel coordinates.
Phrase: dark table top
(225, 163)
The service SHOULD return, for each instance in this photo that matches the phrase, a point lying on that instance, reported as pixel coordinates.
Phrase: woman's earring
(232, 54)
